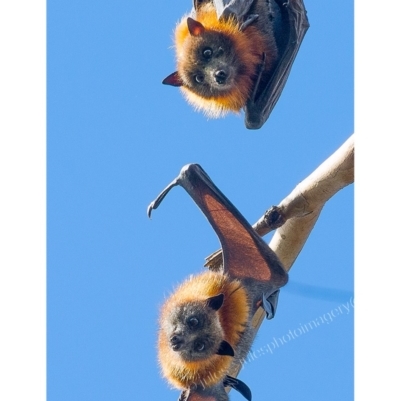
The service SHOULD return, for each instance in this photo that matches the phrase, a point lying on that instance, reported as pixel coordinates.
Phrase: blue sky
(116, 137)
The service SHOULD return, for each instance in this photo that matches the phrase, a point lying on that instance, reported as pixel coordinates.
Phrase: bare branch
(302, 207)
(295, 216)
(298, 213)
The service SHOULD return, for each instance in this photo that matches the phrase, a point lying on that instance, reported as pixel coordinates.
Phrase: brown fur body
(239, 53)
(230, 322)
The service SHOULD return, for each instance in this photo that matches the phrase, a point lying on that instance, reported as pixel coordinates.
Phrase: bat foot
(274, 218)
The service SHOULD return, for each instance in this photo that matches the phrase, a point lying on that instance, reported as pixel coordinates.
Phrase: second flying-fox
(234, 55)
(205, 325)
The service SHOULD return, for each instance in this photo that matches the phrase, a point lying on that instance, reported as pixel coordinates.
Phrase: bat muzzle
(221, 77)
(176, 341)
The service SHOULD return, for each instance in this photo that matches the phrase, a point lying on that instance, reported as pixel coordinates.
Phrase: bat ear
(196, 28)
(216, 301)
(173, 80)
(225, 349)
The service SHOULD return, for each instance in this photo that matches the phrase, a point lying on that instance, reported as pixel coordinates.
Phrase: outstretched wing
(245, 254)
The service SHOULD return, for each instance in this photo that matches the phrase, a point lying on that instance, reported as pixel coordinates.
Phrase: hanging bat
(206, 325)
(237, 54)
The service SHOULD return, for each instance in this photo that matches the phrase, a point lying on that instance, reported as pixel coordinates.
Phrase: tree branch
(301, 208)
(297, 214)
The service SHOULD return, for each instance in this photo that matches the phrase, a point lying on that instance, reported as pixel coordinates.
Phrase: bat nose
(176, 342)
(221, 76)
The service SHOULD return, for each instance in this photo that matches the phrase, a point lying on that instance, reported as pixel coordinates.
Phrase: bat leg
(239, 386)
(270, 304)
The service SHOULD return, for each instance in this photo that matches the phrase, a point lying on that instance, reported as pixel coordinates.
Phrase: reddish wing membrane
(245, 254)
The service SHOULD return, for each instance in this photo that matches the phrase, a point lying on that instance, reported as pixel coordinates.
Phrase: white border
(23, 200)
(377, 181)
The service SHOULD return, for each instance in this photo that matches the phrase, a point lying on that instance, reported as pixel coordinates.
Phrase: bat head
(209, 65)
(208, 62)
(194, 330)
(216, 64)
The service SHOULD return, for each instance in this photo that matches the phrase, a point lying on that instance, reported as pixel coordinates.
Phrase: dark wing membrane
(226, 8)
(245, 254)
(294, 25)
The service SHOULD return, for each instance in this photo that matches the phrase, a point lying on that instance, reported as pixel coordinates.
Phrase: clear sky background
(115, 138)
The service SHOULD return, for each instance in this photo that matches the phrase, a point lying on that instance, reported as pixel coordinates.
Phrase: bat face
(217, 67)
(194, 331)
(217, 61)
(209, 64)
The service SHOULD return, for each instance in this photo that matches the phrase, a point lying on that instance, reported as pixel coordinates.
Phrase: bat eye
(199, 346)
(207, 53)
(199, 78)
(193, 322)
